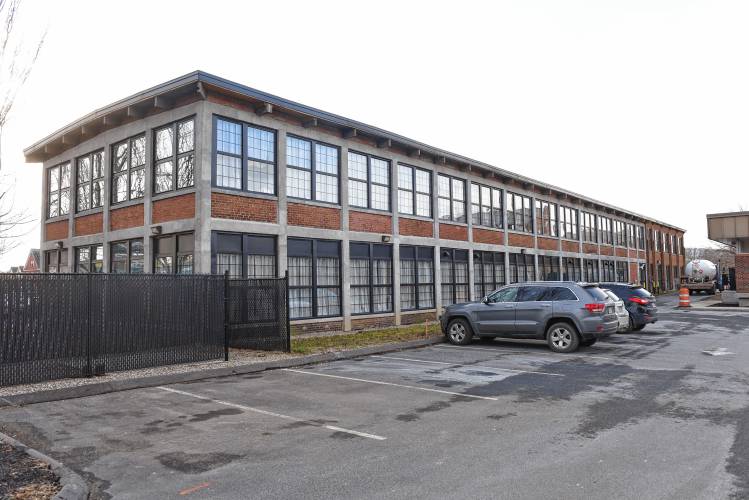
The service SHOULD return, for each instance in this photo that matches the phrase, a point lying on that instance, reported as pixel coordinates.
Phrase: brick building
(205, 175)
(733, 229)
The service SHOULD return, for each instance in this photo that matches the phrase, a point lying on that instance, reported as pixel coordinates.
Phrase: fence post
(89, 367)
(226, 315)
(288, 313)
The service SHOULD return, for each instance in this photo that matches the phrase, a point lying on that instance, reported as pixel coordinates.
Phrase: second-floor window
(174, 155)
(245, 157)
(546, 218)
(369, 181)
(129, 169)
(486, 206)
(519, 214)
(620, 234)
(414, 191)
(640, 237)
(452, 198)
(604, 230)
(89, 181)
(58, 190)
(311, 170)
(588, 227)
(630, 235)
(568, 223)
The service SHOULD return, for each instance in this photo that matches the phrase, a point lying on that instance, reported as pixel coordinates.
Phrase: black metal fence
(71, 325)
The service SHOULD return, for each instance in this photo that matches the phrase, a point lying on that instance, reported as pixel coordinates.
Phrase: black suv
(639, 302)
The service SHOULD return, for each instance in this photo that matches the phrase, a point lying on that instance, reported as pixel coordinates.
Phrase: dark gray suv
(564, 313)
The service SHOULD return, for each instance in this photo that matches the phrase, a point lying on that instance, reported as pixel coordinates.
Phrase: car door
(533, 309)
(496, 315)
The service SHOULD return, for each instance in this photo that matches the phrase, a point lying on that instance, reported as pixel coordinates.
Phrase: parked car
(621, 312)
(640, 304)
(565, 314)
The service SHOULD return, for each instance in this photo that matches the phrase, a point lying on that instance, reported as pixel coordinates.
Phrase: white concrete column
(345, 257)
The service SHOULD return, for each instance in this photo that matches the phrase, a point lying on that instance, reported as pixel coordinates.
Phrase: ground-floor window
(522, 268)
(622, 272)
(89, 259)
(607, 271)
(173, 254)
(371, 278)
(454, 275)
(417, 277)
(488, 272)
(56, 261)
(314, 278)
(590, 270)
(641, 274)
(572, 269)
(126, 256)
(548, 268)
(243, 255)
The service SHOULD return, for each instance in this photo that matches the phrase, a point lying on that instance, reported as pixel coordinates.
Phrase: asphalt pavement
(662, 413)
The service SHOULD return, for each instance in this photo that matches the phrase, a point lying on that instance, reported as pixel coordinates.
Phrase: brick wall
(633, 272)
(88, 224)
(123, 218)
(453, 232)
(520, 240)
(742, 272)
(590, 248)
(174, 208)
(415, 227)
(227, 206)
(370, 223)
(621, 252)
(607, 250)
(570, 246)
(56, 230)
(372, 323)
(490, 237)
(642, 254)
(411, 319)
(326, 326)
(547, 243)
(301, 214)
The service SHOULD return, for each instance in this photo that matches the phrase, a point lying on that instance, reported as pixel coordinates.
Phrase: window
(174, 152)
(488, 272)
(126, 257)
(89, 259)
(89, 182)
(560, 293)
(546, 218)
(607, 271)
(549, 268)
(257, 153)
(534, 293)
(522, 268)
(486, 206)
(454, 274)
(173, 254)
(656, 240)
(640, 237)
(58, 190)
(129, 169)
(519, 215)
(314, 278)
(572, 269)
(369, 181)
(605, 236)
(243, 255)
(588, 227)
(371, 278)
(414, 191)
(56, 261)
(620, 233)
(568, 223)
(631, 236)
(311, 170)
(622, 272)
(452, 198)
(508, 294)
(417, 277)
(590, 270)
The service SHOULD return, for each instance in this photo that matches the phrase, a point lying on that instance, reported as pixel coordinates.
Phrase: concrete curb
(154, 381)
(73, 485)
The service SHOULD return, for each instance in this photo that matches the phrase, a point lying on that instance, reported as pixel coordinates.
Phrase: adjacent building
(203, 175)
(733, 229)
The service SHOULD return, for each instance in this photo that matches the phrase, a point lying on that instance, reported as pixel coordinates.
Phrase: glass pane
(357, 166)
(186, 134)
(163, 265)
(423, 181)
(443, 186)
(229, 262)
(84, 170)
(98, 171)
(405, 202)
(54, 179)
(164, 176)
(328, 302)
(64, 202)
(185, 172)
(423, 205)
(84, 197)
(359, 299)
(380, 197)
(65, 176)
(359, 272)
(380, 171)
(261, 144)
(426, 296)
(459, 211)
(326, 159)
(300, 303)
(185, 264)
(298, 152)
(383, 299)
(458, 189)
(300, 271)
(408, 297)
(405, 179)
(357, 192)
(164, 143)
(444, 209)
(228, 171)
(326, 188)
(137, 183)
(260, 177)
(298, 183)
(120, 188)
(138, 151)
(261, 266)
(97, 194)
(382, 272)
(328, 271)
(120, 157)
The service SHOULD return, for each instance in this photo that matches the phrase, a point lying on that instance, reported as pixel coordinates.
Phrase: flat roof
(164, 95)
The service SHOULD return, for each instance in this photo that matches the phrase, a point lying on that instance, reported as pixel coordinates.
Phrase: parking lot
(640, 415)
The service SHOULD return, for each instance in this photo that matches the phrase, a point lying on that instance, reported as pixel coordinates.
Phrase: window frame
(418, 252)
(371, 286)
(370, 183)
(640, 232)
(176, 254)
(493, 210)
(552, 218)
(92, 253)
(313, 285)
(572, 263)
(244, 156)
(569, 223)
(485, 258)
(175, 157)
(452, 200)
(589, 227)
(415, 192)
(60, 190)
(591, 266)
(91, 181)
(553, 266)
(454, 256)
(129, 170)
(246, 250)
(513, 261)
(511, 226)
(129, 259)
(313, 170)
(605, 230)
(58, 258)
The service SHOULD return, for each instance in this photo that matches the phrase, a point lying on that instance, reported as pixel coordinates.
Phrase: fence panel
(257, 315)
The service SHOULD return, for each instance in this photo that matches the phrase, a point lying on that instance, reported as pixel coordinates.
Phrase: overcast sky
(641, 104)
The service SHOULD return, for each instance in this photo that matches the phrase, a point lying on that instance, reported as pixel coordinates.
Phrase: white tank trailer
(699, 276)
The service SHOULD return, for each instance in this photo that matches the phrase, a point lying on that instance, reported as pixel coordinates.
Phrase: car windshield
(596, 293)
(641, 292)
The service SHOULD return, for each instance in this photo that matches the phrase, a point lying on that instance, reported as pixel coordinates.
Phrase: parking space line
(460, 364)
(274, 414)
(379, 382)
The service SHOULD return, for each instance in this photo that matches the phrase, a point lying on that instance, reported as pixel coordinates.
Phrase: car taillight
(595, 307)
(639, 300)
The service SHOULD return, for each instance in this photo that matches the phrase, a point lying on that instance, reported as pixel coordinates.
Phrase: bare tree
(16, 62)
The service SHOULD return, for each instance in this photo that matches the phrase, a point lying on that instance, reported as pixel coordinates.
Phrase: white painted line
(720, 351)
(379, 382)
(459, 364)
(273, 414)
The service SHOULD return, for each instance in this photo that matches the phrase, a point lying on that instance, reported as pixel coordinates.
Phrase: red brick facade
(228, 206)
(633, 272)
(742, 272)
(490, 237)
(174, 208)
(415, 227)
(327, 326)
(607, 250)
(56, 230)
(547, 243)
(88, 224)
(453, 232)
(590, 248)
(301, 214)
(520, 240)
(127, 217)
(570, 246)
(371, 323)
(411, 319)
(370, 223)
(621, 252)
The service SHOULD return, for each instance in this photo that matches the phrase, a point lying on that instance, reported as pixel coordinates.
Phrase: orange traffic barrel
(684, 298)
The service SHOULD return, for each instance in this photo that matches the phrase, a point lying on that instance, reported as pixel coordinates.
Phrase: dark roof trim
(199, 79)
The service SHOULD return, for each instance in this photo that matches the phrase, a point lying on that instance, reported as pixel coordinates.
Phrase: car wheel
(588, 343)
(459, 332)
(562, 337)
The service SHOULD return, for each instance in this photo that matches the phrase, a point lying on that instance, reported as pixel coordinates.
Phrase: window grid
(640, 237)
(588, 227)
(454, 274)
(488, 272)
(522, 268)
(607, 271)
(549, 268)
(312, 170)
(58, 190)
(126, 256)
(89, 181)
(414, 191)
(620, 233)
(239, 144)
(451, 198)
(173, 254)
(417, 278)
(605, 235)
(129, 169)
(519, 214)
(314, 281)
(89, 259)
(371, 278)
(546, 218)
(486, 206)
(568, 223)
(56, 261)
(590, 270)
(572, 269)
(174, 156)
(369, 181)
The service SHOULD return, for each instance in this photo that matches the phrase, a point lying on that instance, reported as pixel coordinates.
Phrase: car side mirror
(485, 300)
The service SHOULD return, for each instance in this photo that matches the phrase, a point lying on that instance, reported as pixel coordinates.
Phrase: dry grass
(311, 345)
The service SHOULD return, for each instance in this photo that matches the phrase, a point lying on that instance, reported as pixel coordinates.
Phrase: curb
(157, 380)
(73, 485)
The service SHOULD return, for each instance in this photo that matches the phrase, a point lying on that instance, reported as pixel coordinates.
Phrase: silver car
(621, 312)
(564, 313)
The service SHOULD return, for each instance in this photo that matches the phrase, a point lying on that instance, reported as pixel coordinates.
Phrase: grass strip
(311, 345)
